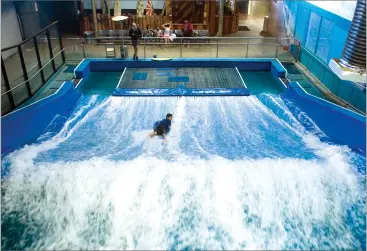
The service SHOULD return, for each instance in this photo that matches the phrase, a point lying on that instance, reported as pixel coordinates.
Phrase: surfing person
(161, 128)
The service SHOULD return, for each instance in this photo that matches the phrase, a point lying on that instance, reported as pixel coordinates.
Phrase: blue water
(293, 74)
(100, 83)
(235, 173)
(261, 82)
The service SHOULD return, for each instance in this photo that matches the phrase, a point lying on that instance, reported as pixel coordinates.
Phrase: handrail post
(60, 42)
(144, 46)
(217, 47)
(25, 74)
(181, 47)
(83, 45)
(39, 60)
(7, 86)
(247, 48)
(50, 49)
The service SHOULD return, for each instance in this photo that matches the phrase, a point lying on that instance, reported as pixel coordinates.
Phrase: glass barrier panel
(95, 50)
(283, 53)
(232, 48)
(31, 63)
(199, 48)
(55, 45)
(20, 94)
(73, 50)
(5, 102)
(35, 82)
(13, 68)
(258, 50)
(44, 55)
(157, 47)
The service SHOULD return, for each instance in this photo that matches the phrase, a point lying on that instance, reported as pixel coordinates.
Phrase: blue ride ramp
(182, 91)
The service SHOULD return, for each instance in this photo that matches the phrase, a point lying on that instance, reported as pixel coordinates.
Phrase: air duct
(352, 64)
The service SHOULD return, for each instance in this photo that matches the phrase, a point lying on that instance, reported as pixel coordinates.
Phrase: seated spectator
(149, 31)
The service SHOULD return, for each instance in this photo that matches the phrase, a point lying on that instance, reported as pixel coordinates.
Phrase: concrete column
(94, 17)
(220, 20)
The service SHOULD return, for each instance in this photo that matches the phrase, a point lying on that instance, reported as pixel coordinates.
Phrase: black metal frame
(6, 83)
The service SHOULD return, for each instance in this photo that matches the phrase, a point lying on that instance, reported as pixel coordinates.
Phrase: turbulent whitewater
(235, 173)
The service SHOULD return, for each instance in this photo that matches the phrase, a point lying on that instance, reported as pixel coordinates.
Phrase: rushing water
(235, 173)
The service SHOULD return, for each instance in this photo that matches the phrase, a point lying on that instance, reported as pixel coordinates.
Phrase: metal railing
(18, 62)
(238, 47)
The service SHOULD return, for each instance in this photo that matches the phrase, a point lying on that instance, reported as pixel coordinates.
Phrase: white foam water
(186, 201)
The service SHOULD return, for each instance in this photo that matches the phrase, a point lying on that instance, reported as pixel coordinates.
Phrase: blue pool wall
(341, 125)
(103, 65)
(25, 125)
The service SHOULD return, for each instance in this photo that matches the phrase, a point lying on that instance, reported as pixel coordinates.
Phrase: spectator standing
(187, 31)
(166, 33)
(135, 35)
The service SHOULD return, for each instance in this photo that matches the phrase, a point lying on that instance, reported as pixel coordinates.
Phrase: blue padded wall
(324, 40)
(313, 32)
(25, 125)
(341, 125)
(320, 31)
(303, 18)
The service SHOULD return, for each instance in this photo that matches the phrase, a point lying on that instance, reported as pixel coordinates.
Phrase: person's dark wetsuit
(163, 127)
